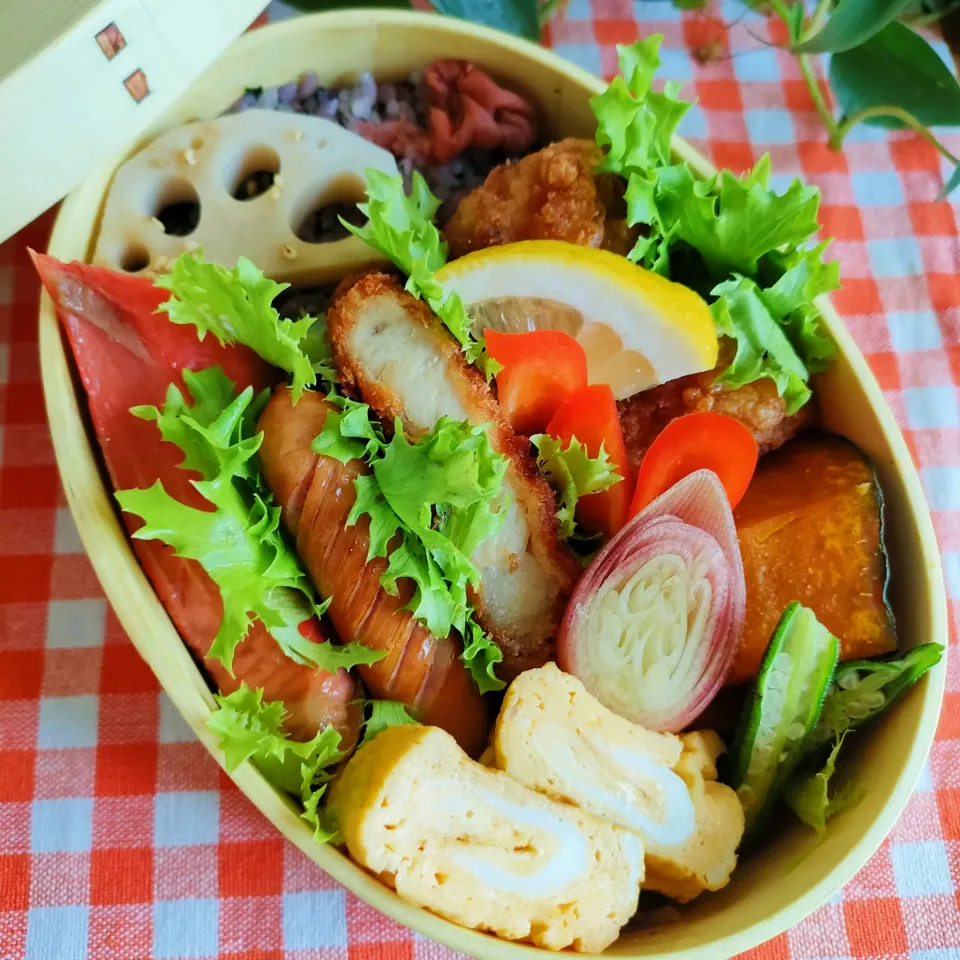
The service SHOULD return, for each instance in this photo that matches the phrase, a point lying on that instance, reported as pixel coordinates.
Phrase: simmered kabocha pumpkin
(810, 528)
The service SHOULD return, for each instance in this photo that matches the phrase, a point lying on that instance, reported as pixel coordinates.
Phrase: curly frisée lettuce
(401, 227)
(733, 222)
(634, 123)
(572, 473)
(238, 542)
(381, 714)
(742, 313)
(249, 729)
(236, 307)
(732, 239)
(434, 501)
(481, 656)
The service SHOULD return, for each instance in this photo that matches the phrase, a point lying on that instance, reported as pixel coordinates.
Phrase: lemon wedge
(637, 328)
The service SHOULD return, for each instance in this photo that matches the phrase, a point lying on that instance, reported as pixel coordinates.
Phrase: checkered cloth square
(119, 836)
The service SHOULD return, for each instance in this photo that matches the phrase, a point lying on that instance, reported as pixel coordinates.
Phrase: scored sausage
(316, 494)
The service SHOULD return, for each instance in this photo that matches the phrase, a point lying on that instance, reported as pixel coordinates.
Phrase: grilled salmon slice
(127, 355)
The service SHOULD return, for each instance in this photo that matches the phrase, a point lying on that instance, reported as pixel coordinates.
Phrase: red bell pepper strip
(541, 370)
(590, 415)
(697, 441)
(127, 354)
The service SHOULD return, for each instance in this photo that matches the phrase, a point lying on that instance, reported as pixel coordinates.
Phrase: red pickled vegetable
(467, 109)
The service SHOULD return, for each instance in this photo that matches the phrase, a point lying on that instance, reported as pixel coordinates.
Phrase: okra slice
(782, 711)
(863, 689)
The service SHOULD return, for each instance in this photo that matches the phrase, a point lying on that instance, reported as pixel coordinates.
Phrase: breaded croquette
(392, 350)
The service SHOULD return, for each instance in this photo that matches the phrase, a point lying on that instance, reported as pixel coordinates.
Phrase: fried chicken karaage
(553, 194)
(756, 405)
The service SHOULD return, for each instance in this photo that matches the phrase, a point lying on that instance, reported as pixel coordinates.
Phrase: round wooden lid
(81, 79)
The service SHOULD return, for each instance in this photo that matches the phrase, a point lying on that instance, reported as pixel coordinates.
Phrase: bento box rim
(139, 610)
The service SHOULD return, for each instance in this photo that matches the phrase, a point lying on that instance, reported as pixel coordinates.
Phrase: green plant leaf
(951, 184)
(733, 238)
(349, 434)
(519, 17)
(898, 68)
(316, 345)
(852, 22)
(794, 21)
(481, 656)
(239, 542)
(732, 222)
(634, 123)
(810, 797)
(548, 9)
(929, 11)
(436, 500)
(763, 348)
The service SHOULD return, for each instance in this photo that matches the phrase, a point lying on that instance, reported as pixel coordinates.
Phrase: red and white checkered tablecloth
(119, 836)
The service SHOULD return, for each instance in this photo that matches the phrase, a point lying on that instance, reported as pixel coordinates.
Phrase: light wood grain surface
(66, 107)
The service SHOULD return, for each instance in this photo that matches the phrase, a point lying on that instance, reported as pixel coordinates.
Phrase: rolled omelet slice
(475, 846)
(555, 737)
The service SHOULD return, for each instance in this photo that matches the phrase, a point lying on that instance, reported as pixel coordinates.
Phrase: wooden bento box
(794, 873)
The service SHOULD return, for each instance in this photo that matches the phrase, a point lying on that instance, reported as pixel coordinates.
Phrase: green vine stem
(816, 95)
(836, 131)
(815, 24)
(840, 130)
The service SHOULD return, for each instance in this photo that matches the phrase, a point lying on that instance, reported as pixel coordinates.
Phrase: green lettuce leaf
(481, 656)
(249, 729)
(235, 306)
(316, 345)
(238, 542)
(809, 795)
(733, 222)
(652, 249)
(634, 123)
(381, 714)
(454, 468)
(401, 227)
(350, 434)
(804, 277)
(572, 473)
(430, 504)
(763, 348)
(732, 238)
(860, 690)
